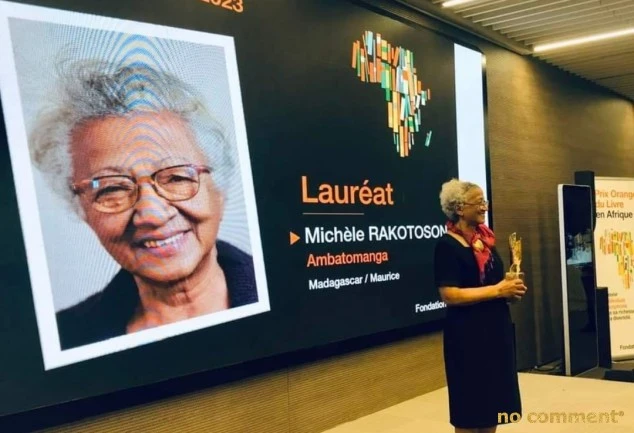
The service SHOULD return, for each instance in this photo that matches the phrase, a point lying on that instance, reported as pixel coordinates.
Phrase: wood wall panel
(341, 389)
(258, 404)
(545, 124)
(308, 398)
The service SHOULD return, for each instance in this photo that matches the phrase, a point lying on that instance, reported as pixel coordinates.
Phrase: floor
(543, 396)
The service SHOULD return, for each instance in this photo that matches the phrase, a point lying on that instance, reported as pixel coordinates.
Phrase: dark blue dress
(479, 342)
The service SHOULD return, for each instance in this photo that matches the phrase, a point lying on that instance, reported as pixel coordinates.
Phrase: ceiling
(520, 25)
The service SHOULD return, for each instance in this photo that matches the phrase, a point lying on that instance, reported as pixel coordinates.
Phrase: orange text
(348, 194)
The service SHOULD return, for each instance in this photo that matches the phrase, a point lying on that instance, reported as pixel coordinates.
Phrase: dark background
(577, 209)
(306, 113)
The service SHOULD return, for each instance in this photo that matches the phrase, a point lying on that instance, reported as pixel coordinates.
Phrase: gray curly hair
(452, 197)
(89, 90)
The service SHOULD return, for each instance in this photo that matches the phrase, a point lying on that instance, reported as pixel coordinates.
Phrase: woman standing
(479, 338)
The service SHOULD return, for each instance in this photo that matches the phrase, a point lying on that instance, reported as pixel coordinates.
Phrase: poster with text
(614, 250)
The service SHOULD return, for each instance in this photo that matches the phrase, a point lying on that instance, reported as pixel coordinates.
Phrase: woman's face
(157, 240)
(474, 209)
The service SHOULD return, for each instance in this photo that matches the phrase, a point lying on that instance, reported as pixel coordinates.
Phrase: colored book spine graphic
(619, 245)
(376, 61)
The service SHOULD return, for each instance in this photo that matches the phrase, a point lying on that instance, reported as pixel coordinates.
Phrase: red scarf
(481, 241)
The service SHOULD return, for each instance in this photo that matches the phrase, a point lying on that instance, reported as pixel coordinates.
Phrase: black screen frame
(573, 360)
(75, 410)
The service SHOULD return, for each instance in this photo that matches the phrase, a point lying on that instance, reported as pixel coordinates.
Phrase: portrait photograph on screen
(130, 152)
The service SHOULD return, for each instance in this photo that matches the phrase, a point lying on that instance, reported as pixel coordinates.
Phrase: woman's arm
(456, 296)
(448, 280)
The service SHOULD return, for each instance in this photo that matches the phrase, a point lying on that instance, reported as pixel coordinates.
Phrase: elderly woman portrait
(135, 153)
(479, 348)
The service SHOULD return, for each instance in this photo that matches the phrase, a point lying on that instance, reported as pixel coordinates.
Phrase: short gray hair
(91, 89)
(452, 197)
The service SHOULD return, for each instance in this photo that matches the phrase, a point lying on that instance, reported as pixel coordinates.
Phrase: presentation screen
(191, 185)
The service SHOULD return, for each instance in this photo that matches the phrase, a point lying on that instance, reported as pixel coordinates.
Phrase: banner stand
(603, 315)
(614, 242)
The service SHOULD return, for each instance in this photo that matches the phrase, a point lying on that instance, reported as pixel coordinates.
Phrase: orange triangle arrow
(294, 238)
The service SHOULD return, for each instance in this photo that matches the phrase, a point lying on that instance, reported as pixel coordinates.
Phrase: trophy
(516, 257)
(515, 271)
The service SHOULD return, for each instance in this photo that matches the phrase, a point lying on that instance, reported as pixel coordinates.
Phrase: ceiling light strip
(585, 40)
(452, 3)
